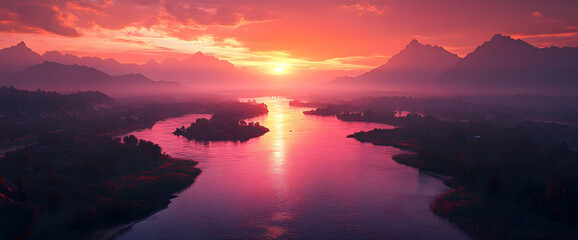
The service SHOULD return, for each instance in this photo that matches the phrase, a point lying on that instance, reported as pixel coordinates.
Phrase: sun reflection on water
(302, 180)
(276, 120)
(278, 158)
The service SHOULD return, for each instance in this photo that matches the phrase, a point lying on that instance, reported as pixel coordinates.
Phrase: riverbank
(277, 185)
(68, 189)
(505, 183)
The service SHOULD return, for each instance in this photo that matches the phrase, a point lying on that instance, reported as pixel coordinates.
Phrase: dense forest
(71, 178)
(226, 126)
(499, 108)
(26, 115)
(511, 181)
(513, 160)
(63, 188)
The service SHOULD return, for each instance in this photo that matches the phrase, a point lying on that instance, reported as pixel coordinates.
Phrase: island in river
(221, 127)
(72, 179)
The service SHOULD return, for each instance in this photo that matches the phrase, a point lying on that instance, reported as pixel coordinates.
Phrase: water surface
(302, 180)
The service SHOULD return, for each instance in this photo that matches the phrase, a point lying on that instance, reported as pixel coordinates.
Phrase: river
(302, 180)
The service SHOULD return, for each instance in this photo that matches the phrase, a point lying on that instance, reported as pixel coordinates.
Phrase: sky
(280, 36)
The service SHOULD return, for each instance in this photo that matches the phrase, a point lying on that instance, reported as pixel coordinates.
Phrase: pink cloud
(35, 17)
(363, 7)
(114, 15)
(314, 30)
(128, 41)
(207, 14)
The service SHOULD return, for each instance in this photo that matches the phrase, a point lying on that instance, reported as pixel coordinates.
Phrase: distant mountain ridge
(420, 56)
(196, 70)
(17, 58)
(416, 64)
(515, 66)
(62, 78)
(501, 65)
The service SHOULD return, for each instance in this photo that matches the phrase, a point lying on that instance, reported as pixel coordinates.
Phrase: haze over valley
(333, 119)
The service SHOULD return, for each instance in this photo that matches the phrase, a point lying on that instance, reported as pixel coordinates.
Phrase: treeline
(21, 105)
(384, 117)
(297, 103)
(330, 110)
(226, 125)
(498, 108)
(26, 115)
(64, 188)
(513, 181)
(73, 178)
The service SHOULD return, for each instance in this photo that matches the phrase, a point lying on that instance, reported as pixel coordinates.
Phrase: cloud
(33, 17)
(363, 7)
(114, 15)
(563, 34)
(199, 14)
(122, 40)
(144, 2)
(9, 26)
(318, 30)
(227, 16)
(537, 14)
(257, 14)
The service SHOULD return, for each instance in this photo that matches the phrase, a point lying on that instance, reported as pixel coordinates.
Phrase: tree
(18, 158)
(130, 140)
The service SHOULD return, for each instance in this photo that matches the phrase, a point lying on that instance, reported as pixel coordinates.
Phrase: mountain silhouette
(58, 77)
(416, 64)
(196, 70)
(502, 65)
(18, 57)
(506, 65)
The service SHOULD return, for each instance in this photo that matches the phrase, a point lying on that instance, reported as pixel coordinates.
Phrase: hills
(416, 64)
(17, 58)
(198, 70)
(513, 66)
(52, 76)
(20, 106)
(501, 65)
(25, 114)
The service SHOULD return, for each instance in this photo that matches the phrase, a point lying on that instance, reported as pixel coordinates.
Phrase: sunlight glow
(280, 68)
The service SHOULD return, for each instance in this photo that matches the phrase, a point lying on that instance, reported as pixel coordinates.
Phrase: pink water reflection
(302, 180)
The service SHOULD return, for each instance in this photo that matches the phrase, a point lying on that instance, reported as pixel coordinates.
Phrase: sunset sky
(277, 35)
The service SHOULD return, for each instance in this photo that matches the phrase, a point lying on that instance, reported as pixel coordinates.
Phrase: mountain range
(17, 58)
(415, 64)
(501, 65)
(197, 70)
(51, 76)
(509, 65)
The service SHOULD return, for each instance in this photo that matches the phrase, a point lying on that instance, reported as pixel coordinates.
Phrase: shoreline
(411, 159)
(112, 192)
(475, 210)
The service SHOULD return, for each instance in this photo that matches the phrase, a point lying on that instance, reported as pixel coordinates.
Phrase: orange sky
(265, 35)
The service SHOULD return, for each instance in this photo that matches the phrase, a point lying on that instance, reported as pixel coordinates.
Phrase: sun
(280, 69)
